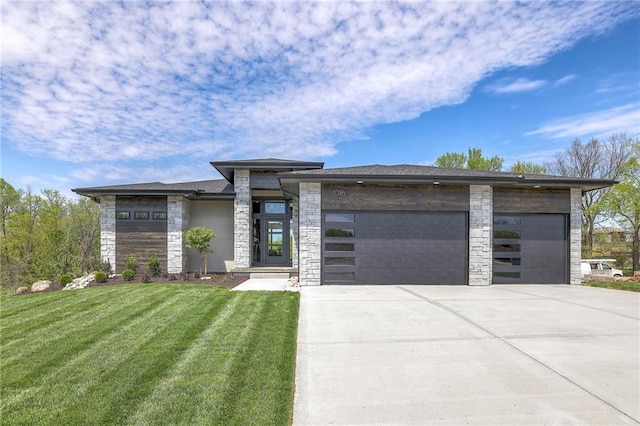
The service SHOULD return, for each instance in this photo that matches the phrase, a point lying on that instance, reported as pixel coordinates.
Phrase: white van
(599, 268)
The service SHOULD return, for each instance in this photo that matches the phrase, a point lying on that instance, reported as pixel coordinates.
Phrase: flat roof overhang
(227, 168)
(289, 182)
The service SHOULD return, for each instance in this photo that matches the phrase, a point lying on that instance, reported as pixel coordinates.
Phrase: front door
(271, 227)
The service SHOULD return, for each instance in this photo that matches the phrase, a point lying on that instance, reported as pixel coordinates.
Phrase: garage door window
(506, 248)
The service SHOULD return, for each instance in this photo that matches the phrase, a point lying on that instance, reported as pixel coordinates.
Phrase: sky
(102, 93)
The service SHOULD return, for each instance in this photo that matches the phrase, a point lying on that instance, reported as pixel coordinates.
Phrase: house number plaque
(339, 193)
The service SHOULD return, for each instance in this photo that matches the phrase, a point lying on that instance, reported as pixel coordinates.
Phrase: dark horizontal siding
(141, 238)
(395, 197)
(518, 200)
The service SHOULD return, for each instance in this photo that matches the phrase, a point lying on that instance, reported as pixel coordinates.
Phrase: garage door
(530, 249)
(395, 248)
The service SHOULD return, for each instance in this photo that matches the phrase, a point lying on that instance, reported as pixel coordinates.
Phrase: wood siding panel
(395, 197)
(260, 180)
(141, 238)
(521, 200)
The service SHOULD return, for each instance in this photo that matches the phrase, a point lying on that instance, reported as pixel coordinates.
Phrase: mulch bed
(220, 280)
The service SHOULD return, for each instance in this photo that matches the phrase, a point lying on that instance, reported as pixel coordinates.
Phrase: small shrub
(146, 278)
(196, 275)
(65, 279)
(184, 276)
(100, 277)
(154, 266)
(128, 274)
(173, 277)
(132, 263)
(105, 266)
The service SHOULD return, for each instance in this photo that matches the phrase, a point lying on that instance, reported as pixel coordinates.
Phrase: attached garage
(369, 247)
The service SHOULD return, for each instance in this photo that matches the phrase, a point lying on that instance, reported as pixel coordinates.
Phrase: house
(376, 224)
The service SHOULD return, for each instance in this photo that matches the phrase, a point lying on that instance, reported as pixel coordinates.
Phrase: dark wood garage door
(395, 248)
(530, 249)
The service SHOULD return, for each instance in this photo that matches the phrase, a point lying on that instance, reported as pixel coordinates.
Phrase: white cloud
(516, 86)
(605, 122)
(564, 80)
(142, 81)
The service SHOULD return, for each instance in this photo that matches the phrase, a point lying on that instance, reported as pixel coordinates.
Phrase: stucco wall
(216, 215)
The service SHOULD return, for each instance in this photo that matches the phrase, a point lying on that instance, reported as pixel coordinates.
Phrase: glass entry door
(271, 223)
(275, 241)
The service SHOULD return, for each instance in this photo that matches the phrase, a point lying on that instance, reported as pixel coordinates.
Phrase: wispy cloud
(564, 80)
(141, 81)
(515, 86)
(625, 118)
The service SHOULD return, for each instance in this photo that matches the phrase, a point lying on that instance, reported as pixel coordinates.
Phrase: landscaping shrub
(132, 263)
(146, 278)
(154, 266)
(105, 266)
(65, 279)
(128, 274)
(100, 277)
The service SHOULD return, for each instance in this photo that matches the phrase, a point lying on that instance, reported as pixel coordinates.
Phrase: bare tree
(594, 159)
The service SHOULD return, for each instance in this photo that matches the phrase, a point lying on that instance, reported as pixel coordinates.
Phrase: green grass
(147, 355)
(617, 285)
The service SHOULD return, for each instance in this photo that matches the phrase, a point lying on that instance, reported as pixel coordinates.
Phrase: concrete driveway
(504, 354)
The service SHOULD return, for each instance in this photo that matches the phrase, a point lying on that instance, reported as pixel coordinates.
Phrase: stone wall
(575, 237)
(310, 238)
(480, 229)
(108, 229)
(242, 220)
(177, 224)
(295, 232)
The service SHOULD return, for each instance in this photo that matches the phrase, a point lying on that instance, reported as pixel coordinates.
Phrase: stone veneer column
(177, 224)
(480, 227)
(310, 239)
(108, 230)
(242, 220)
(575, 237)
(296, 235)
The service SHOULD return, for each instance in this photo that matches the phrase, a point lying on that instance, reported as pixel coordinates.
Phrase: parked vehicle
(599, 268)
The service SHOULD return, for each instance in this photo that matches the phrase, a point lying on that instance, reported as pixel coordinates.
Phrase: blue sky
(99, 93)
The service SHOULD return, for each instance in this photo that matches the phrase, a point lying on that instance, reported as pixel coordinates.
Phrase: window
(506, 234)
(123, 215)
(339, 261)
(141, 215)
(339, 232)
(274, 207)
(506, 220)
(339, 246)
(339, 217)
(501, 248)
(159, 215)
(515, 275)
(515, 261)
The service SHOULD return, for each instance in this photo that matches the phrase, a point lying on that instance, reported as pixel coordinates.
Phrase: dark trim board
(411, 247)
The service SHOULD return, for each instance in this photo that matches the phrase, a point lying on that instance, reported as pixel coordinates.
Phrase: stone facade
(177, 224)
(295, 232)
(480, 229)
(108, 229)
(575, 237)
(310, 234)
(242, 220)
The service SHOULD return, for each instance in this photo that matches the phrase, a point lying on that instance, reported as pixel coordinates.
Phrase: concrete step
(269, 275)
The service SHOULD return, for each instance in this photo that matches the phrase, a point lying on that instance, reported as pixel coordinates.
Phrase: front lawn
(148, 354)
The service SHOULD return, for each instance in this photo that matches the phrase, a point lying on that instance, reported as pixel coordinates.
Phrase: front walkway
(506, 354)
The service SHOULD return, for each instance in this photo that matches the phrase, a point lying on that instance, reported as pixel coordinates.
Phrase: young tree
(527, 167)
(199, 238)
(623, 202)
(473, 160)
(594, 159)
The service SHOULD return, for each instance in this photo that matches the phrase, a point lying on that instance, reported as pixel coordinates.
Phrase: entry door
(275, 242)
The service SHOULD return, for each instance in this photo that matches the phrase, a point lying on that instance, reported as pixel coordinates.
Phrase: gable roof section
(227, 168)
(406, 173)
(204, 189)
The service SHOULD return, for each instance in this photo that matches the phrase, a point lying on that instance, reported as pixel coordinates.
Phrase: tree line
(43, 236)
